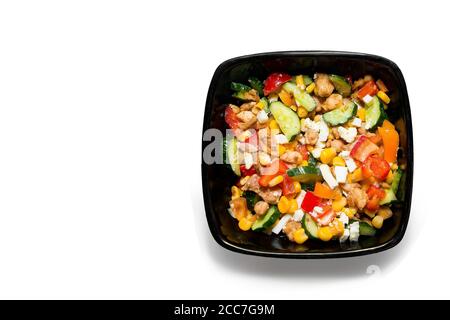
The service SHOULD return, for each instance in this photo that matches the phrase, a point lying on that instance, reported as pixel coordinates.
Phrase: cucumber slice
(390, 196)
(267, 220)
(252, 198)
(256, 84)
(366, 229)
(375, 114)
(342, 86)
(307, 80)
(310, 226)
(306, 174)
(341, 115)
(286, 118)
(238, 87)
(302, 98)
(231, 149)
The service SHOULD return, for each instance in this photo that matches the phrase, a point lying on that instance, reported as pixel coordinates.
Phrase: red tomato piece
(247, 172)
(287, 185)
(375, 166)
(231, 118)
(274, 82)
(375, 194)
(363, 148)
(303, 151)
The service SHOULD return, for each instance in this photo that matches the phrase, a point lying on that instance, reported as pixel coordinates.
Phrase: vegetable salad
(316, 156)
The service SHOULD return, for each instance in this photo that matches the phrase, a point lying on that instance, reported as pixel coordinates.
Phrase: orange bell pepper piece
(325, 192)
(286, 98)
(390, 139)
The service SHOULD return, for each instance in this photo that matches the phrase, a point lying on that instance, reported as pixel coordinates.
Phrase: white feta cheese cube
(300, 198)
(367, 98)
(344, 154)
(324, 131)
(351, 165)
(318, 210)
(341, 174)
(357, 122)
(343, 218)
(316, 152)
(262, 117)
(264, 159)
(309, 124)
(281, 139)
(248, 160)
(328, 176)
(349, 134)
(344, 236)
(280, 225)
(298, 215)
(354, 231)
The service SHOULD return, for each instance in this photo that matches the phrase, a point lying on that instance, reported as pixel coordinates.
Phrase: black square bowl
(217, 178)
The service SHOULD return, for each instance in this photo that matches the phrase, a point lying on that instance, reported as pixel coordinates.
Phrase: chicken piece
(269, 195)
(334, 101)
(311, 136)
(251, 95)
(290, 228)
(356, 198)
(337, 144)
(324, 86)
(245, 116)
(291, 157)
(261, 208)
(247, 106)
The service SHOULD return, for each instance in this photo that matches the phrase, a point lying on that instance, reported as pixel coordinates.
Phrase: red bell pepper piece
(268, 173)
(287, 185)
(370, 88)
(310, 201)
(303, 151)
(363, 148)
(247, 172)
(231, 118)
(274, 81)
(375, 166)
(375, 195)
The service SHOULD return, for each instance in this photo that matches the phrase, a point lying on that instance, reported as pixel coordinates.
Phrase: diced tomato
(274, 81)
(231, 118)
(247, 172)
(375, 166)
(370, 88)
(325, 192)
(363, 148)
(277, 167)
(375, 195)
(303, 151)
(287, 185)
(310, 201)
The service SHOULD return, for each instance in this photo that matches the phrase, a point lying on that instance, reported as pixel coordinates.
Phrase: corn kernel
(244, 180)
(299, 81)
(325, 234)
(283, 204)
(385, 213)
(300, 236)
(338, 205)
(245, 224)
(355, 176)
(293, 206)
(304, 163)
(294, 108)
(273, 124)
(377, 222)
(338, 161)
(390, 177)
(349, 212)
(394, 166)
(235, 192)
(327, 155)
(302, 112)
(361, 113)
(297, 187)
(310, 148)
(260, 105)
(311, 87)
(275, 181)
(281, 150)
(383, 96)
(338, 228)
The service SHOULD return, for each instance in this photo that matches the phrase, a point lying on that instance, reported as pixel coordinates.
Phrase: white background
(101, 107)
